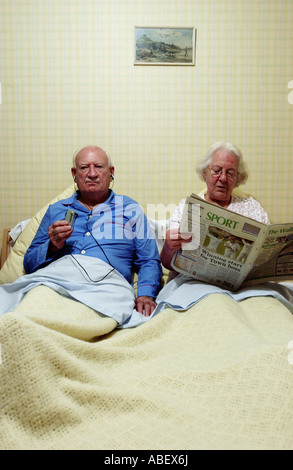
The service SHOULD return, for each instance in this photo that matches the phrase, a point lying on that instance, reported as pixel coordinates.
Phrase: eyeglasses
(231, 174)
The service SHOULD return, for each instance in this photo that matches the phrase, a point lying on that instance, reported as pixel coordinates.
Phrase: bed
(217, 375)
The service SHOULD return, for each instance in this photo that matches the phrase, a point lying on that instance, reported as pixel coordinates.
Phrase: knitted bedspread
(216, 376)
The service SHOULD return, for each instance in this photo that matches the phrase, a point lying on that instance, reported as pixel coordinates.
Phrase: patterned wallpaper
(68, 79)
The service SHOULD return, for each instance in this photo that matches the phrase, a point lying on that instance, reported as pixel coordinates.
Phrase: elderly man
(106, 226)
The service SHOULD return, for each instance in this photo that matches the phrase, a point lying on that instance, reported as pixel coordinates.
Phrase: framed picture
(164, 46)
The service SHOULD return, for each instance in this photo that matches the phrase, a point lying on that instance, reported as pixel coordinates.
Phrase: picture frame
(163, 45)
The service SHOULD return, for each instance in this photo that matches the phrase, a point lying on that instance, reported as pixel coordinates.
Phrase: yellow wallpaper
(68, 79)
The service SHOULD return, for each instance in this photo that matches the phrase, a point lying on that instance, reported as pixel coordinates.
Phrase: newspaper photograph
(231, 250)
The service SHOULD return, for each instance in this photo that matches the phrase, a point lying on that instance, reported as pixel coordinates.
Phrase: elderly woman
(223, 169)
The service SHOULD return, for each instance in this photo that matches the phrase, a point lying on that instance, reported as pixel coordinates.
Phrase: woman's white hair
(231, 149)
(92, 147)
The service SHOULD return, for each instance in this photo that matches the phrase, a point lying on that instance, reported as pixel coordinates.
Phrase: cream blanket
(217, 376)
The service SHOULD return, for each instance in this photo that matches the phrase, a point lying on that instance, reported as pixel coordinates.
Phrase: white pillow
(159, 228)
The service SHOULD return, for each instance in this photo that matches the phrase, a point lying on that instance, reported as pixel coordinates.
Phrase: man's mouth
(92, 181)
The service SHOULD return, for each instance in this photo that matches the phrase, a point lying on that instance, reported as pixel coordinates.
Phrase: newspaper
(230, 250)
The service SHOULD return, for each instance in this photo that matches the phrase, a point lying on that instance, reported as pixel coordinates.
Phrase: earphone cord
(99, 280)
(104, 253)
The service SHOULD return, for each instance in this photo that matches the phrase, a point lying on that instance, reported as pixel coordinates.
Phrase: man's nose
(92, 171)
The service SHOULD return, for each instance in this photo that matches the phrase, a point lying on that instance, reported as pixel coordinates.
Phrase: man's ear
(73, 172)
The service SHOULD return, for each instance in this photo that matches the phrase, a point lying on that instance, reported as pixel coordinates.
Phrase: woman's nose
(223, 176)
